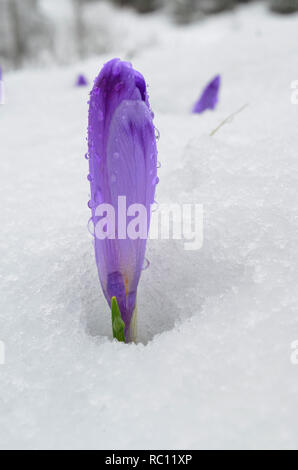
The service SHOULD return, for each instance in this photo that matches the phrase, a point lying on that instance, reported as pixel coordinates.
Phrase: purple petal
(209, 97)
(122, 162)
(81, 81)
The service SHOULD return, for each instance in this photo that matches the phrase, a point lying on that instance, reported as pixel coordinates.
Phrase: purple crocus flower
(122, 162)
(81, 80)
(209, 96)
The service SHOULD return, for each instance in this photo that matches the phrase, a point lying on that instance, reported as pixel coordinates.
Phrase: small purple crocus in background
(122, 162)
(82, 81)
(209, 96)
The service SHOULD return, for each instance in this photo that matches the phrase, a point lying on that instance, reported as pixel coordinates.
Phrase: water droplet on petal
(157, 134)
(86, 156)
(146, 264)
(154, 206)
(118, 86)
(90, 178)
(90, 226)
(97, 196)
(90, 204)
(113, 178)
(155, 180)
(116, 155)
(116, 69)
(158, 165)
(95, 91)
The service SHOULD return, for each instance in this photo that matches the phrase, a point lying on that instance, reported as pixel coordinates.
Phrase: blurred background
(39, 32)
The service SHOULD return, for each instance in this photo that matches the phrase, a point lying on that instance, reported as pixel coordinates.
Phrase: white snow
(212, 368)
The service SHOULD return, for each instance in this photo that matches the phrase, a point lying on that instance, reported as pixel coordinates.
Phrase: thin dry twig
(228, 119)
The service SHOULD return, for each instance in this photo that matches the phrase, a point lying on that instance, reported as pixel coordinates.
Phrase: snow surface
(212, 367)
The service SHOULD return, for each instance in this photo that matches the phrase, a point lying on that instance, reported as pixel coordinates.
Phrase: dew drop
(95, 92)
(118, 86)
(90, 204)
(157, 134)
(90, 227)
(155, 180)
(116, 155)
(146, 264)
(158, 165)
(86, 156)
(154, 206)
(97, 196)
(90, 178)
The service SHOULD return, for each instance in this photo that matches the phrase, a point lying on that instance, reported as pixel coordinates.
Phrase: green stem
(117, 322)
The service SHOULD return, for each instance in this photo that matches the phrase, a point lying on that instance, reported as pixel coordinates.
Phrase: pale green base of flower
(132, 332)
(118, 324)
